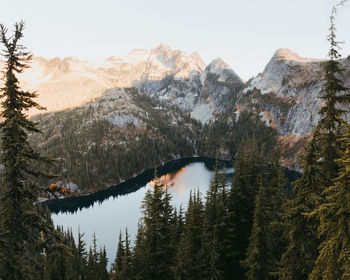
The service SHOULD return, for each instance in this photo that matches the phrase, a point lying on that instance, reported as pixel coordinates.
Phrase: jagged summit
(163, 47)
(63, 83)
(218, 64)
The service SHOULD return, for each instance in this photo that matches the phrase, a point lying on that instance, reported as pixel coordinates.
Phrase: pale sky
(244, 33)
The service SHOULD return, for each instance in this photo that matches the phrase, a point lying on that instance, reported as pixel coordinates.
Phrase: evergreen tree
(333, 261)
(300, 230)
(20, 224)
(126, 272)
(102, 265)
(190, 251)
(320, 169)
(240, 209)
(258, 262)
(140, 253)
(334, 96)
(81, 256)
(214, 224)
(157, 236)
(266, 243)
(118, 263)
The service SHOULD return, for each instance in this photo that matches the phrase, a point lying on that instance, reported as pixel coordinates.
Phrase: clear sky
(244, 33)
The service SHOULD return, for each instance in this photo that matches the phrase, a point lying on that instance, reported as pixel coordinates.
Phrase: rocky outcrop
(288, 91)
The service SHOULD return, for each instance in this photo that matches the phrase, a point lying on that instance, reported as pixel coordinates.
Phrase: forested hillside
(125, 132)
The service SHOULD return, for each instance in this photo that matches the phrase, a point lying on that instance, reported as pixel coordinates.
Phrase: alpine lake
(105, 213)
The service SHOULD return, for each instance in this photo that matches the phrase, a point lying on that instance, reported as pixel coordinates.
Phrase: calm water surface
(107, 218)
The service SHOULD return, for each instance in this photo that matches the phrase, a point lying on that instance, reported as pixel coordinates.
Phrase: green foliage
(107, 154)
(334, 229)
(266, 243)
(299, 229)
(190, 250)
(223, 137)
(157, 245)
(308, 209)
(240, 208)
(21, 226)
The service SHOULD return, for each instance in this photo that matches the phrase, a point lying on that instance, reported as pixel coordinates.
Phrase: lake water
(105, 214)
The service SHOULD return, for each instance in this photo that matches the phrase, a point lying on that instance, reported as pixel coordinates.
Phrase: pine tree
(140, 254)
(81, 256)
(300, 230)
(118, 263)
(333, 261)
(20, 224)
(334, 96)
(258, 262)
(266, 243)
(126, 272)
(190, 251)
(102, 265)
(240, 209)
(320, 169)
(159, 230)
(214, 224)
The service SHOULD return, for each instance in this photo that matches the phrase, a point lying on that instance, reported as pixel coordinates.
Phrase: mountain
(285, 95)
(168, 74)
(103, 115)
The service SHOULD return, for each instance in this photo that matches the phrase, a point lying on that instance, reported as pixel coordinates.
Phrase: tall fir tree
(189, 256)
(214, 224)
(334, 95)
(240, 209)
(257, 261)
(333, 262)
(300, 230)
(20, 224)
(266, 242)
(320, 169)
(158, 234)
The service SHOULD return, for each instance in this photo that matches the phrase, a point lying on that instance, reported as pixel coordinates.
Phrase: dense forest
(251, 228)
(107, 154)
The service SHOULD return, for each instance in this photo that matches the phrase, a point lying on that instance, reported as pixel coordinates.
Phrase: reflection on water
(107, 218)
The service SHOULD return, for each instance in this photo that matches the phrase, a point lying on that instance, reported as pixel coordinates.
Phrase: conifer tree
(333, 262)
(102, 265)
(320, 169)
(240, 209)
(81, 256)
(126, 272)
(118, 263)
(214, 224)
(257, 262)
(140, 254)
(158, 233)
(334, 95)
(20, 224)
(265, 242)
(300, 230)
(189, 257)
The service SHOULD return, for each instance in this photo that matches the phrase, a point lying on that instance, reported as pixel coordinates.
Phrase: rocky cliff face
(287, 91)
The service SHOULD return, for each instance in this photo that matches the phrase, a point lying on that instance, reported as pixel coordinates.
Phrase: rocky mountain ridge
(168, 74)
(284, 95)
